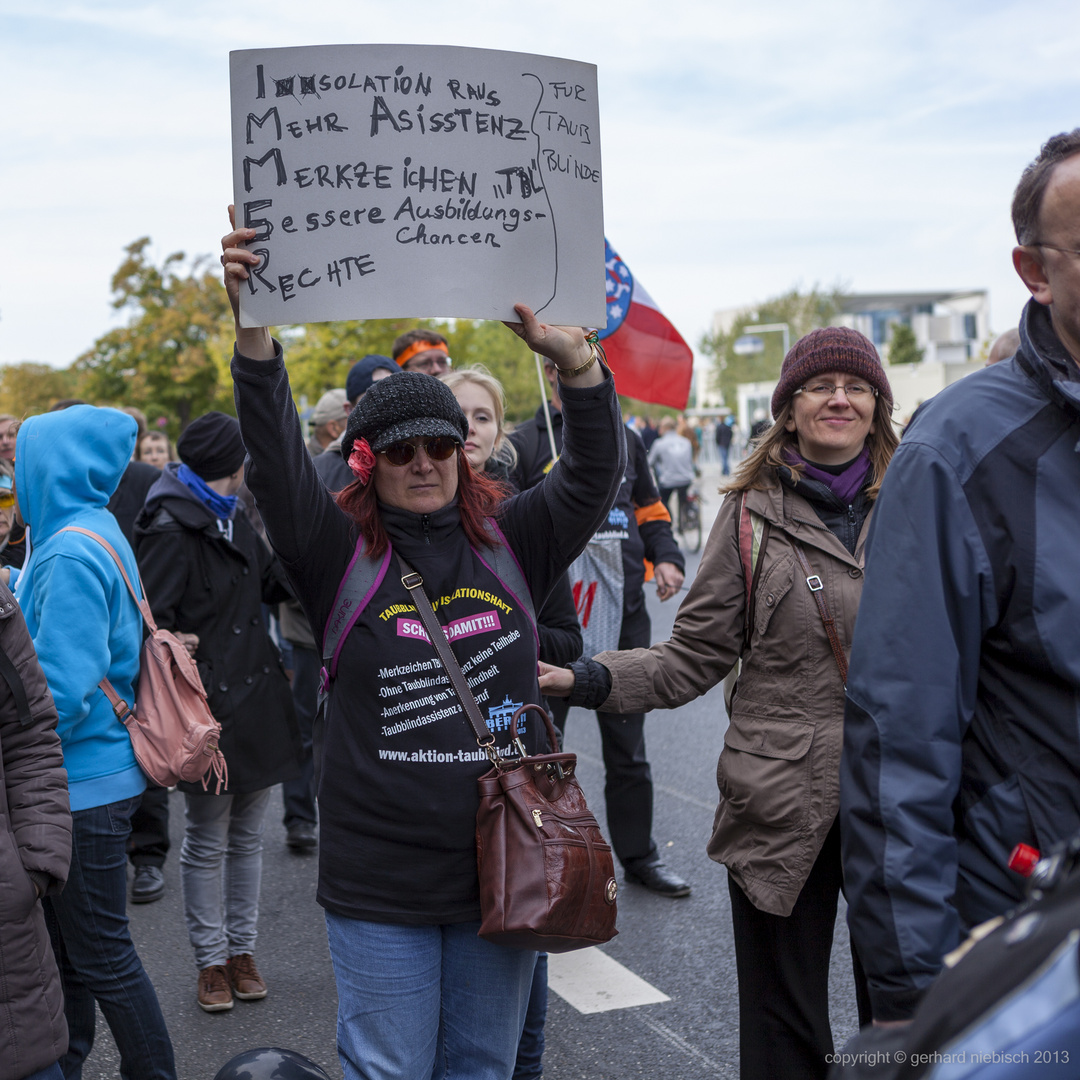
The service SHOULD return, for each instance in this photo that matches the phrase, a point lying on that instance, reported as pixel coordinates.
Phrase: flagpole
(547, 411)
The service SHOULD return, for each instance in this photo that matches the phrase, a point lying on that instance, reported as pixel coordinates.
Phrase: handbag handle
(553, 738)
(485, 738)
(817, 588)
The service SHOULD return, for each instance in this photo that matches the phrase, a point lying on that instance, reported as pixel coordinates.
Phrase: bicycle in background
(689, 519)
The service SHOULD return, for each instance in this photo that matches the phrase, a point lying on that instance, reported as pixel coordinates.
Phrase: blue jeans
(426, 1001)
(50, 1072)
(89, 929)
(221, 873)
(530, 1053)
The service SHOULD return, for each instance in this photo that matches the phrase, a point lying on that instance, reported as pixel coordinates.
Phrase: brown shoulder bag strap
(817, 588)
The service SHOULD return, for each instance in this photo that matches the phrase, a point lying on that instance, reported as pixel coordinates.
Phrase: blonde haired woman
(789, 538)
(483, 401)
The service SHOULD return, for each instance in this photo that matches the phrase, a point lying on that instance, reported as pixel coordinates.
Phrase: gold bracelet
(595, 352)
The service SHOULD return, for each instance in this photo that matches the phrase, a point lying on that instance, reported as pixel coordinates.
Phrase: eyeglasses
(432, 363)
(853, 391)
(1054, 247)
(7, 498)
(441, 448)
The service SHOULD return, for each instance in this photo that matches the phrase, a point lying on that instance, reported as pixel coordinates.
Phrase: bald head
(1004, 346)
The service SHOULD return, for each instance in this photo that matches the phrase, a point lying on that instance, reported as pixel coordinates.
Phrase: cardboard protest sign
(392, 181)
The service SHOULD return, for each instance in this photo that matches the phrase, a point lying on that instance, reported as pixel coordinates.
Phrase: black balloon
(270, 1063)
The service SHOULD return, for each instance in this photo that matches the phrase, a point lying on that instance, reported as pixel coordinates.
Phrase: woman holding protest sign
(783, 561)
(419, 992)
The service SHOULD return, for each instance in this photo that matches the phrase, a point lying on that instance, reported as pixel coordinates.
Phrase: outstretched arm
(300, 515)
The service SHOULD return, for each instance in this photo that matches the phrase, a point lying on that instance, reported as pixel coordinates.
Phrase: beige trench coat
(778, 773)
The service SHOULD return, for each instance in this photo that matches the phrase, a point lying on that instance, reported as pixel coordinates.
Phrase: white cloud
(746, 148)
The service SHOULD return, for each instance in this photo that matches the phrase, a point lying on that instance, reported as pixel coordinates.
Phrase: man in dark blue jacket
(961, 737)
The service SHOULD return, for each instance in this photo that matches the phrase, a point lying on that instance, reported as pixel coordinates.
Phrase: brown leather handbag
(547, 879)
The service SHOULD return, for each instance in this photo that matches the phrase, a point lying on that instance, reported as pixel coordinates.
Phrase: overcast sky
(747, 148)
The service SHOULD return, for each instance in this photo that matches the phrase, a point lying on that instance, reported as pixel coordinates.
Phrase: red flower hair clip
(361, 460)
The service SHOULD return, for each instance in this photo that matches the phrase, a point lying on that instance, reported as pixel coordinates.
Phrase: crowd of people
(898, 758)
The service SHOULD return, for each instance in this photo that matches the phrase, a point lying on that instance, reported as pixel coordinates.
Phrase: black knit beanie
(211, 446)
(832, 348)
(361, 374)
(402, 406)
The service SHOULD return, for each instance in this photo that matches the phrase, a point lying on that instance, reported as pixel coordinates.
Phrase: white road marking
(592, 982)
(678, 1041)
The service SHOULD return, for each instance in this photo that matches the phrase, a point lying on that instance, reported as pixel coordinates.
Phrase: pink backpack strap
(144, 607)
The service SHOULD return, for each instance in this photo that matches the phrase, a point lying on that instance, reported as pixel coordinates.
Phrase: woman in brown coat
(35, 850)
(789, 536)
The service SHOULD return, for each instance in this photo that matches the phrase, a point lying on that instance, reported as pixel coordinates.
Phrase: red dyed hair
(478, 498)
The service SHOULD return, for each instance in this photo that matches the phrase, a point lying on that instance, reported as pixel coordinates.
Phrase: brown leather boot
(215, 994)
(247, 983)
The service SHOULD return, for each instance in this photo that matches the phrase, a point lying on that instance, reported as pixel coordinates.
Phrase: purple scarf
(844, 486)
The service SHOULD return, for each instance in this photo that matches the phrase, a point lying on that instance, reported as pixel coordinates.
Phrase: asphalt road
(682, 947)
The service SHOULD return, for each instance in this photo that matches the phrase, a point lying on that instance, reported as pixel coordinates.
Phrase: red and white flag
(647, 355)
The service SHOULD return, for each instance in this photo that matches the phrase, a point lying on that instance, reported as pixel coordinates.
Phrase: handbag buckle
(412, 581)
(813, 583)
(519, 746)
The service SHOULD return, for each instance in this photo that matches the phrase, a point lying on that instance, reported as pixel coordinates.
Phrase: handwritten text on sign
(391, 181)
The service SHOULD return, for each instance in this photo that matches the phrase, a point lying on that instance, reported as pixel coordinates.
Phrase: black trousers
(783, 967)
(628, 786)
(665, 498)
(148, 843)
(298, 794)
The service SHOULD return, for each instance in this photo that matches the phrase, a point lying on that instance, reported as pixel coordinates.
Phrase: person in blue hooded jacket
(86, 627)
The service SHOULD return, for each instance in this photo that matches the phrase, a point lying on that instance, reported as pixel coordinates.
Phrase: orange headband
(418, 347)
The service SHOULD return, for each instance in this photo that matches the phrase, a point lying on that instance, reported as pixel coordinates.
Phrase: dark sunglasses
(441, 448)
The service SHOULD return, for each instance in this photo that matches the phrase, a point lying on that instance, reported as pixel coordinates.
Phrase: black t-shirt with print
(397, 791)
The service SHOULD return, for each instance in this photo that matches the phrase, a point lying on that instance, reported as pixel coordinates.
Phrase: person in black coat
(148, 844)
(206, 573)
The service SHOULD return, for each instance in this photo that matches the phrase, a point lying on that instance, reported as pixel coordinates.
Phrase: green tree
(903, 348)
(29, 388)
(172, 357)
(802, 312)
(504, 354)
(319, 355)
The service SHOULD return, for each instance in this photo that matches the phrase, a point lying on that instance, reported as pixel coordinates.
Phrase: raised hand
(565, 346)
(253, 342)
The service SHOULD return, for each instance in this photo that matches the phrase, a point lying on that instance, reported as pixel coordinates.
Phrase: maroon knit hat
(832, 348)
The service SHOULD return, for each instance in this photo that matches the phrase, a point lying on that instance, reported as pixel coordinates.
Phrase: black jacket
(334, 471)
(960, 734)
(843, 520)
(127, 500)
(200, 582)
(399, 764)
